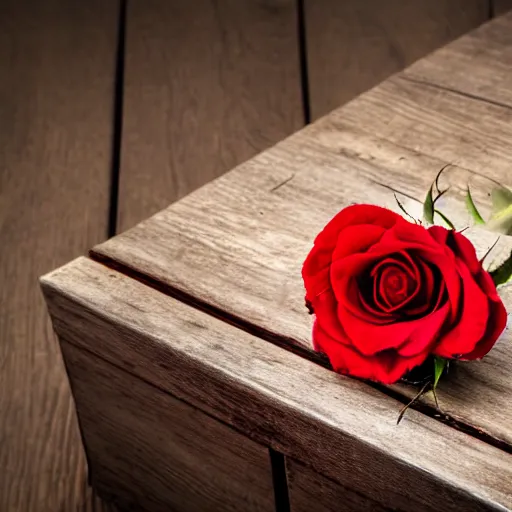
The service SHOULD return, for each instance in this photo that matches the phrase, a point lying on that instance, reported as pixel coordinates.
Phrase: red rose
(387, 293)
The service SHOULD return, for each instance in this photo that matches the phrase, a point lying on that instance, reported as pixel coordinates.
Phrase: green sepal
(472, 209)
(439, 367)
(428, 206)
(501, 198)
(445, 218)
(430, 201)
(502, 222)
(401, 206)
(502, 273)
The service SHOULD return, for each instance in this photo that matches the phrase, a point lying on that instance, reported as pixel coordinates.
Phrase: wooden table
(188, 345)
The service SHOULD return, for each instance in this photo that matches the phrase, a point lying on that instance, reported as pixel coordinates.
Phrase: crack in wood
(287, 344)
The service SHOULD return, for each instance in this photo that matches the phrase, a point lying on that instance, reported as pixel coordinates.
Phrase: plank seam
(303, 61)
(117, 119)
(286, 344)
(412, 79)
(279, 481)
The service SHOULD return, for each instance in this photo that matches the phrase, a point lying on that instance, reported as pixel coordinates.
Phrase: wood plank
(57, 62)
(486, 52)
(309, 490)
(352, 46)
(454, 128)
(501, 6)
(158, 452)
(338, 426)
(236, 246)
(208, 85)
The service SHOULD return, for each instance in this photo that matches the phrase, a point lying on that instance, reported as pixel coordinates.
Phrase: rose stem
(405, 407)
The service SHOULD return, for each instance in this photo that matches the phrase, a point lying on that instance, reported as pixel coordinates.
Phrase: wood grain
(160, 453)
(236, 246)
(309, 490)
(208, 84)
(253, 280)
(354, 45)
(486, 52)
(338, 426)
(56, 94)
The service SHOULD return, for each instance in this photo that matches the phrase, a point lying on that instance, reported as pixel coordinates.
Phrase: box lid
(235, 247)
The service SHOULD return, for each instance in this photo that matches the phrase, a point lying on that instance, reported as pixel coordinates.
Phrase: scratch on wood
(476, 97)
(397, 191)
(287, 180)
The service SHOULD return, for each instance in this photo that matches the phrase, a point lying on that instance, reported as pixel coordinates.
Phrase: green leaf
(445, 218)
(501, 222)
(472, 209)
(439, 366)
(428, 206)
(501, 198)
(503, 273)
(430, 201)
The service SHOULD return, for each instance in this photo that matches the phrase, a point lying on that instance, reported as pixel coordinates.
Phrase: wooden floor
(111, 110)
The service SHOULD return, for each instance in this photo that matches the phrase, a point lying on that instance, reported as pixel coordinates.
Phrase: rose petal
(439, 257)
(326, 313)
(485, 282)
(472, 323)
(391, 367)
(327, 239)
(352, 299)
(423, 300)
(495, 326)
(388, 297)
(356, 239)
(445, 262)
(370, 338)
(315, 271)
(439, 234)
(386, 367)
(410, 233)
(465, 251)
(426, 334)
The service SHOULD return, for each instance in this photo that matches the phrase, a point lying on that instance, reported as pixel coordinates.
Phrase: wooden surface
(140, 437)
(236, 247)
(354, 45)
(56, 116)
(490, 78)
(309, 491)
(56, 92)
(340, 427)
(501, 6)
(208, 84)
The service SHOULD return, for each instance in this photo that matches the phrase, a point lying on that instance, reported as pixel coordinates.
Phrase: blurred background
(112, 109)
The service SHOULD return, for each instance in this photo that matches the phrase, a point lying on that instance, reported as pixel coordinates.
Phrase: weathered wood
(455, 128)
(57, 62)
(159, 453)
(247, 243)
(354, 45)
(308, 490)
(236, 246)
(208, 84)
(339, 426)
(487, 52)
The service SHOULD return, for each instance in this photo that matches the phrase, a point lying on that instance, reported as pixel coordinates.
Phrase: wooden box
(187, 342)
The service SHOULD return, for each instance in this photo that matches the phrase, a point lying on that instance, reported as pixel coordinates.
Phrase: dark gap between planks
(303, 61)
(280, 481)
(117, 133)
(288, 344)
